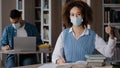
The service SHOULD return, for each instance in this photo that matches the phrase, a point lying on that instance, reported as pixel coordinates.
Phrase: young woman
(77, 41)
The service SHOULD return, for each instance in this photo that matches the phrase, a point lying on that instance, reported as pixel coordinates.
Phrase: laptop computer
(25, 43)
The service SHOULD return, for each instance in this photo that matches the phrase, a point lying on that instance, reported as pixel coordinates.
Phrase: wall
(0, 17)
(28, 9)
(5, 7)
(96, 6)
(56, 20)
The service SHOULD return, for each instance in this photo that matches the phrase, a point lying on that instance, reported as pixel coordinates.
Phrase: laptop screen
(25, 43)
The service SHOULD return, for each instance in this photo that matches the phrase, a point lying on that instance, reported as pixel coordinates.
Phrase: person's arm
(105, 49)
(4, 41)
(38, 37)
(35, 33)
(57, 56)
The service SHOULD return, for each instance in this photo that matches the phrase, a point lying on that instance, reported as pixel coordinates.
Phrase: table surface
(38, 65)
(22, 52)
(30, 66)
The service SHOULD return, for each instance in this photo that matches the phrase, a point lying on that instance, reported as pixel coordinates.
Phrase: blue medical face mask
(76, 21)
(16, 26)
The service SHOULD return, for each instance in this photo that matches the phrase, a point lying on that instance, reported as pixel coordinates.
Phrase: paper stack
(78, 64)
(71, 65)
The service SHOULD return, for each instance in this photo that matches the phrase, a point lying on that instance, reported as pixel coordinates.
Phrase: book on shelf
(46, 4)
(19, 4)
(114, 16)
(45, 17)
(45, 33)
(111, 15)
(107, 15)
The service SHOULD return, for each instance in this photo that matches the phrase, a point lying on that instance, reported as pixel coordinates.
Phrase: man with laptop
(17, 31)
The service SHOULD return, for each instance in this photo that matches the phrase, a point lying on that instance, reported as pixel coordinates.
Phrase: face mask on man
(16, 26)
(77, 20)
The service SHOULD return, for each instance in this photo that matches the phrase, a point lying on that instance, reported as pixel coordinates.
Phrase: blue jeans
(24, 60)
(28, 59)
(10, 61)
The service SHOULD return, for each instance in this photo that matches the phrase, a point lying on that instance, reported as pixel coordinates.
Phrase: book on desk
(95, 60)
(102, 67)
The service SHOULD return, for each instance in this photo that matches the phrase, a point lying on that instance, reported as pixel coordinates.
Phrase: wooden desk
(46, 65)
(30, 66)
(40, 65)
(26, 52)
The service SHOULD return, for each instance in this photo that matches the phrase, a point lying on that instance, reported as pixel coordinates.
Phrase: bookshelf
(50, 15)
(111, 13)
(38, 14)
(46, 21)
(51, 25)
(44, 14)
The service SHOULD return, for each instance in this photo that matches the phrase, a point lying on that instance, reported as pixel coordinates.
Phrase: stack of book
(111, 15)
(95, 60)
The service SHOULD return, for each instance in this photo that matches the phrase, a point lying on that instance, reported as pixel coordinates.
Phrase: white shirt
(100, 45)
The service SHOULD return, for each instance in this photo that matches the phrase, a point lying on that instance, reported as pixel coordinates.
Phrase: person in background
(77, 40)
(18, 28)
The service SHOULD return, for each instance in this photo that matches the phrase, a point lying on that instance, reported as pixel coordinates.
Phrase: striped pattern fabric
(75, 50)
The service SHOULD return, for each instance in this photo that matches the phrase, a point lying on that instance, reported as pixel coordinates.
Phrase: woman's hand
(109, 31)
(60, 61)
